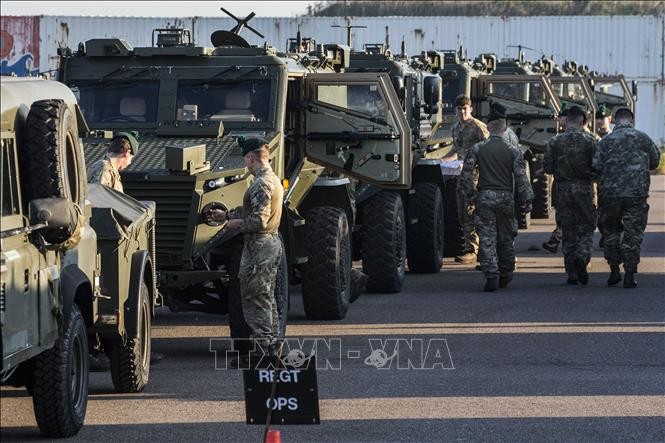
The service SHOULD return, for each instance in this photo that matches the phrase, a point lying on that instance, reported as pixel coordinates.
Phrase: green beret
(603, 112)
(497, 111)
(564, 110)
(131, 138)
(248, 145)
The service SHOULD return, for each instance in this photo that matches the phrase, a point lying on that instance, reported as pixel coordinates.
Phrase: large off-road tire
(424, 247)
(240, 330)
(384, 242)
(453, 238)
(130, 361)
(541, 183)
(52, 162)
(326, 276)
(60, 381)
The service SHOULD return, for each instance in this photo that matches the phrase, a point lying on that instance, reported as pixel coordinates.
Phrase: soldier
(552, 244)
(568, 157)
(258, 219)
(603, 125)
(119, 155)
(501, 170)
(623, 160)
(466, 132)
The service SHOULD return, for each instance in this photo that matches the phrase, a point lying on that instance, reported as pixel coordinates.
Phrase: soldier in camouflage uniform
(258, 219)
(119, 155)
(623, 160)
(603, 125)
(568, 157)
(552, 244)
(466, 132)
(501, 170)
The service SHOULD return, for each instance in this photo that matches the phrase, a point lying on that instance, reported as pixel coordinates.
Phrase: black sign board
(296, 399)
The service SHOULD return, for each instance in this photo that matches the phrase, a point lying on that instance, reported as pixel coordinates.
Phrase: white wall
(632, 45)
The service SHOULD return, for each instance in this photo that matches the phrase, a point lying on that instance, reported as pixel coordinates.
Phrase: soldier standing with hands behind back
(258, 219)
(501, 172)
(467, 131)
(623, 160)
(568, 157)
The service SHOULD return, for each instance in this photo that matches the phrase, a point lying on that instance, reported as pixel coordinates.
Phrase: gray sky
(156, 8)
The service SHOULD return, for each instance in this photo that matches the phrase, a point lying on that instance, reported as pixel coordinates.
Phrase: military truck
(190, 103)
(65, 288)
(391, 226)
(531, 104)
(42, 299)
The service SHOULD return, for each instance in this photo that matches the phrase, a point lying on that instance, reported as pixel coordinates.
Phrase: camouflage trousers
(497, 227)
(258, 272)
(465, 211)
(627, 214)
(577, 214)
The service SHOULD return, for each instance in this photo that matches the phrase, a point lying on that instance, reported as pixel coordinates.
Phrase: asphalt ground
(541, 361)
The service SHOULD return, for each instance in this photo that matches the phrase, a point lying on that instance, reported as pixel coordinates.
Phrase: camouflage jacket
(105, 173)
(466, 135)
(501, 168)
(623, 160)
(261, 209)
(568, 155)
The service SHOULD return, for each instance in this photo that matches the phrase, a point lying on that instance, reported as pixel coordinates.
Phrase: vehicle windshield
(569, 91)
(241, 101)
(451, 90)
(531, 92)
(119, 101)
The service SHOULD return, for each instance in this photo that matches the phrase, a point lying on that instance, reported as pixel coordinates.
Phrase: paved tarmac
(541, 361)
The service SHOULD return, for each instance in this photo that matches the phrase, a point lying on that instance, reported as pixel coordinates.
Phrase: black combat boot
(505, 279)
(492, 284)
(582, 274)
(615, 275)
(358, 284)
(629, 280)
(551, 246)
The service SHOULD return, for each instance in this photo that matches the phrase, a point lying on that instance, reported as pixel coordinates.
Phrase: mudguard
(71, 280)
(140, 263)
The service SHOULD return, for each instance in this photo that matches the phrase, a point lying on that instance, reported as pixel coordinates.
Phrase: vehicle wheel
(424, 247)
(541, 184)
(453, 238)
(60, 381)
(523, 220)
(326, 276)
(52, 163)
(384, 242)
(130, 361)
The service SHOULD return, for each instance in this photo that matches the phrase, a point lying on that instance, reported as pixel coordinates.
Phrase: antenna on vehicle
(348, 31)
(232, 37)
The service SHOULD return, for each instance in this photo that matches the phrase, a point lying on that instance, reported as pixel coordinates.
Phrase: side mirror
(398, 85)
(634, 90)
(432, 91)
(56, 218)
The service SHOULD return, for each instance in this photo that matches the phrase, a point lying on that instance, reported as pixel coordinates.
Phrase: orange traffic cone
(273, 436)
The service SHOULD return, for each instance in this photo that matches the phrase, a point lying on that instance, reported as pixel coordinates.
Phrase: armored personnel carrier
(190, 103)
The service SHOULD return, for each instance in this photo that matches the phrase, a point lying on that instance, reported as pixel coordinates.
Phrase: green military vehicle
(66, 290)
(392, 226)
(42, 298)
(190, 103)
(531, 104)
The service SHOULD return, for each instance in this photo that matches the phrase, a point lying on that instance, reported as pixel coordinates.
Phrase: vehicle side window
(10, 205)
(363, 98)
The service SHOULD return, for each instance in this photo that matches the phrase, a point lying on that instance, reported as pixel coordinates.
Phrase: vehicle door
(576, 91)
(355, 125)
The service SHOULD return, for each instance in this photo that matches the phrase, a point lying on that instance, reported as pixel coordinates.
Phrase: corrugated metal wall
(632, 45)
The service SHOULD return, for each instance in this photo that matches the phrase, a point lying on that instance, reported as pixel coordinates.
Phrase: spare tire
(52, 161)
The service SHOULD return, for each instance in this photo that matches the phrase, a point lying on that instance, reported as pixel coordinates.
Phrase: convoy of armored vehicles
(356, 136)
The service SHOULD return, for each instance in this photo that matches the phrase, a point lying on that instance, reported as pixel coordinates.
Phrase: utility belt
(256, 236)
